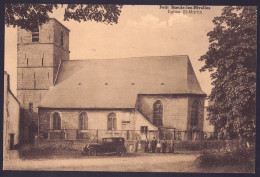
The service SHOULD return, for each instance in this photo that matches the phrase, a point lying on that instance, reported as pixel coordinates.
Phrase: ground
(139, 162)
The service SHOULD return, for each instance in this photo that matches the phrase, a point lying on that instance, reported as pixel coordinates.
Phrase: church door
(32, 131)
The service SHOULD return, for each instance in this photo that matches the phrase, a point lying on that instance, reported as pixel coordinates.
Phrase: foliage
(232, 154)
(231, 58)
(30, 16)
(198, 145)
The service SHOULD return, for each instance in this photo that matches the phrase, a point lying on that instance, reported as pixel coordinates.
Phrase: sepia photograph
(129, 88)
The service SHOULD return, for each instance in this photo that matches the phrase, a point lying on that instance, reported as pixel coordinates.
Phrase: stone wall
(33, 96)
(37, 66)
(58, 30)
(38, 62)
(175, 109)
(201, 100)
(129, 124)
(131, 146)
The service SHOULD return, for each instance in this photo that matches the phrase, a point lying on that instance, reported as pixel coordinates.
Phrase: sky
(141, 31)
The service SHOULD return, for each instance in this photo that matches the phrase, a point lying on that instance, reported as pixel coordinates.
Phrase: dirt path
(142, 163)
(180, 162)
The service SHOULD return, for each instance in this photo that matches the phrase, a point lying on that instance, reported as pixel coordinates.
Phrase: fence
(94, 135)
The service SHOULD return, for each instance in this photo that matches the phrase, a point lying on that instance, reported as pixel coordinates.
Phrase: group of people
(160, 146)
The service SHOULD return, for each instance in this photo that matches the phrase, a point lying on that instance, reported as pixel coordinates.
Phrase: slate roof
(116, 83)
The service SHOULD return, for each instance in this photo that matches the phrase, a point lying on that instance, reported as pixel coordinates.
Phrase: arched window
(195, 113)
(56, 121)
(157, 113)
(83, 121)
(111, 121)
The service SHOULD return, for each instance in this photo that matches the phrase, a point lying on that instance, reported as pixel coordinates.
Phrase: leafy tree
(232, 59)
(26, 15)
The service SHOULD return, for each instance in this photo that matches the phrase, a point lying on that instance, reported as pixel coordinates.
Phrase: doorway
(32, 131)
(11, 141)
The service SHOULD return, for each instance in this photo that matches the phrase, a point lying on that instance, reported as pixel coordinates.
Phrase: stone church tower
(39, 55)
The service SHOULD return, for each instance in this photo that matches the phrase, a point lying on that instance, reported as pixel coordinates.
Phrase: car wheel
(92, 152)
(120, 152)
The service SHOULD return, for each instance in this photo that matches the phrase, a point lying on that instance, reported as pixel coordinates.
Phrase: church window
(61, 38)
(195, 113)
(42, 61)
(27, 61)
(157, 113)
(83, 121)
(111, 121)
(56, 121)
(35, 35)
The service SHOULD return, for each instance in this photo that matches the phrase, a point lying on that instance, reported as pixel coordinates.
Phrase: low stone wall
(133, 146)
(75, 144)
(62, 144)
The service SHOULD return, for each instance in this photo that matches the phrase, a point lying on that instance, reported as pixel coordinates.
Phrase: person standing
(149, 146)
(154, 143)
(146, 146)
(172, 146)
(164, 146)
(158, 146)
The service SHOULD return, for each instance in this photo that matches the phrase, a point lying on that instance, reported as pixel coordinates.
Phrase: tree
(232, 59)
(30, 16)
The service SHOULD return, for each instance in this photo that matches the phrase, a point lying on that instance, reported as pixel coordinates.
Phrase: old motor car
(108, 145)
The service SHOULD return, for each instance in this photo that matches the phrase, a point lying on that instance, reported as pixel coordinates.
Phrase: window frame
(158, 113)
(84, 119)
(111, 121)
(52, 124)
(194, 113)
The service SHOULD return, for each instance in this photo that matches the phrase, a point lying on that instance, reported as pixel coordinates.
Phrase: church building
(94, 98)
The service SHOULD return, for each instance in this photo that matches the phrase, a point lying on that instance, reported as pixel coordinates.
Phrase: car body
(108, 145)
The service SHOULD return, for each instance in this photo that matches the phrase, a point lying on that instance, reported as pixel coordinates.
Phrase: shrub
(231, 154)
(198, 145)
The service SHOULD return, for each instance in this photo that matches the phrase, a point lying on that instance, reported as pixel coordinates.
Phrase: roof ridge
(127, 58)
